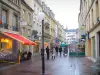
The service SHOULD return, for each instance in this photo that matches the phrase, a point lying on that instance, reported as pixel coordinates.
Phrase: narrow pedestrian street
(59, 66)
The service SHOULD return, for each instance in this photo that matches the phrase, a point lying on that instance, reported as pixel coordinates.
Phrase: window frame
(6, 15)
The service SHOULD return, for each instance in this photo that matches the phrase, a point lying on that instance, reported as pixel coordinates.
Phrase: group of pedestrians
(54, 52)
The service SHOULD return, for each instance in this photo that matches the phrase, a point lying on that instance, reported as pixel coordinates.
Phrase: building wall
(59, 32)
(26, 23)
(90, 9)
(27, 18)
(37, 24)
(11, 10)
(10, 16)
(63, 34)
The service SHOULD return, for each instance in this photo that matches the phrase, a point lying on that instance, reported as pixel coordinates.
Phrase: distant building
(71, 36)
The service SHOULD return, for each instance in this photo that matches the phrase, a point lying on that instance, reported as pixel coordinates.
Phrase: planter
(77, 54)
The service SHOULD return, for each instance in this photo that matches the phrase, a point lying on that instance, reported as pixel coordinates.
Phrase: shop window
(6, 44)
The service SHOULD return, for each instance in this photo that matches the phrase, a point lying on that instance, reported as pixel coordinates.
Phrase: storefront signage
(5, 40)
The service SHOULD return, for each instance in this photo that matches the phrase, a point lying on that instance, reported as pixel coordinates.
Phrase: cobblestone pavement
(59, 66)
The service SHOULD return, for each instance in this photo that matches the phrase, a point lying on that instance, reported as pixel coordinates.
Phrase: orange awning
(20, 38)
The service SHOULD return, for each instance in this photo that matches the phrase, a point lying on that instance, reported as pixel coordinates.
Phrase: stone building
(90, 19)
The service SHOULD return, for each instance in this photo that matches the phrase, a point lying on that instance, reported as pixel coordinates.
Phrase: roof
(71, 30)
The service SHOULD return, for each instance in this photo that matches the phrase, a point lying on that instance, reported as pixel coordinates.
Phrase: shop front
(11, 46)
(36, 48)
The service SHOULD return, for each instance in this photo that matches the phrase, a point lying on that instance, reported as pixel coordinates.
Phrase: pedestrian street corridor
(58, 66)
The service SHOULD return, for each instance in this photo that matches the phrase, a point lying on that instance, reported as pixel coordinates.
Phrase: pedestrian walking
(53, 53)
(60, 50)
(56, 48)
(47, 52)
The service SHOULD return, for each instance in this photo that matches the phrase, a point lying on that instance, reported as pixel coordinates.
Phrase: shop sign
(4, 40)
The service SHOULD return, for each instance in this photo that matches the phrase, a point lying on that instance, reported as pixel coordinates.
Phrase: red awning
(20, 38)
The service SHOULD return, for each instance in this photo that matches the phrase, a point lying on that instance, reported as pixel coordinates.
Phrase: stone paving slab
(59, 66)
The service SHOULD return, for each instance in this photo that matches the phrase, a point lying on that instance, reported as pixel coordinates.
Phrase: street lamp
(41, 18)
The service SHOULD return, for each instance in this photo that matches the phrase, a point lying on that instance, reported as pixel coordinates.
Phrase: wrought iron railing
(5, 26)
(15, 28)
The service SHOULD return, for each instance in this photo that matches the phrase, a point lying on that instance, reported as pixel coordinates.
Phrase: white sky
(66, 11)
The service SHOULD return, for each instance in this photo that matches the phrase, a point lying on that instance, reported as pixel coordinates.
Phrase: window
(23, 11)
(97, 9)
(23, 31)
(4, 16)
(15, 2)
(92, 18)
(89, 22)
(15, 23)
(28, 32)
(29, 17)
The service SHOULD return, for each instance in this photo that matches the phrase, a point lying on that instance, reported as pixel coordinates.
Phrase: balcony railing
(15, 28)
(5, 26)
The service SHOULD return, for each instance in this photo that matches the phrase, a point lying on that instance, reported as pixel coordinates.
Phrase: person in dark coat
(60, 50)
(56, 48)
(29, 55)
(47, 51)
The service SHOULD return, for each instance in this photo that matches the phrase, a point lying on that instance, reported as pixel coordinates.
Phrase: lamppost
(41, 18)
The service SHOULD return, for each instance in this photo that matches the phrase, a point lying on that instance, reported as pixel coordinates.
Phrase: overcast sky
(66, 11)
